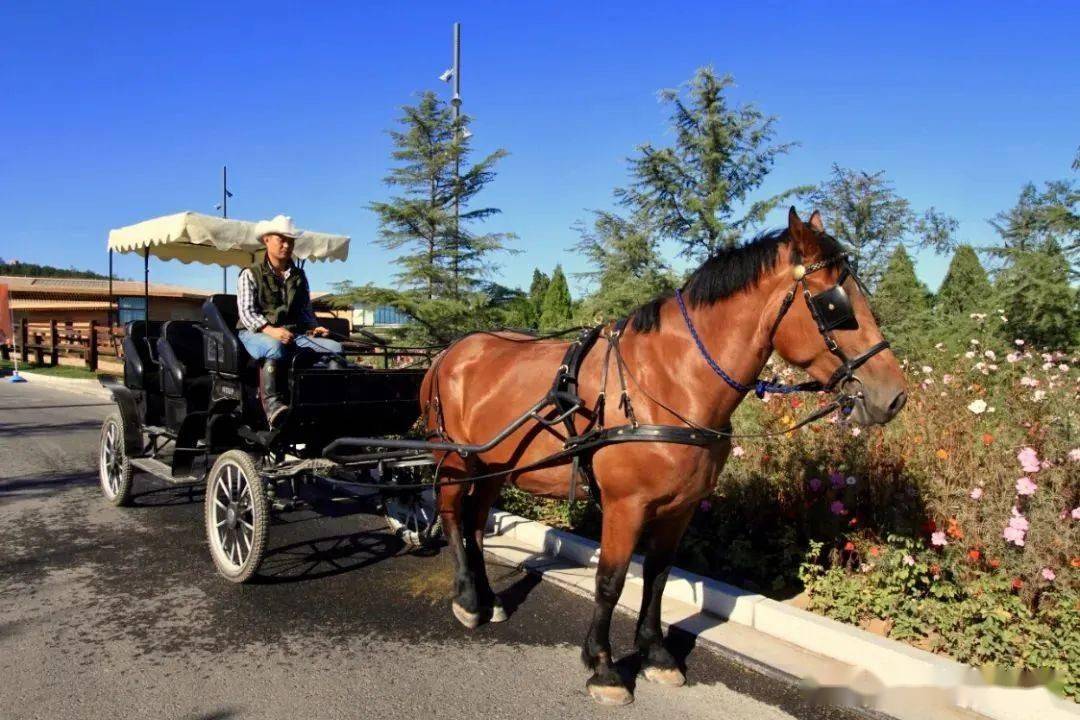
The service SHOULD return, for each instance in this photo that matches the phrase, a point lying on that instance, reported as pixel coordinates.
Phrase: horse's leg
(452, 511)
(478, 506)
(621, 528)
(657, 663)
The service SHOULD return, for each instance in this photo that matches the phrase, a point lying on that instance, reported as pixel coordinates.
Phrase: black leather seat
(222, 349)
(140, 356)
(183, 374)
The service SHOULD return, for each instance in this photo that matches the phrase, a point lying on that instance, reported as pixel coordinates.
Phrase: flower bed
(956, 527)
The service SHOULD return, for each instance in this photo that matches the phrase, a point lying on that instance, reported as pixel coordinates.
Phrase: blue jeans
(261, 346)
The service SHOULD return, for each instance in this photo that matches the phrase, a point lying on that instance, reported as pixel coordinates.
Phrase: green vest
(282, 302)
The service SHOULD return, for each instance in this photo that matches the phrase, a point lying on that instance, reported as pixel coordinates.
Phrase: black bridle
(831, 310)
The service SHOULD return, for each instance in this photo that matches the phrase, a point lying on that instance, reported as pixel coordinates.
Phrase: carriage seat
(183, 374)
(222, 349)
(140, 354)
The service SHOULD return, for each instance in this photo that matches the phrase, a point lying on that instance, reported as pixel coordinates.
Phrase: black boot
(273, 404)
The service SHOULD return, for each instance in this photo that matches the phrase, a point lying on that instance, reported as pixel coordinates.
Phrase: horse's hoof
(613, 695)
(498, 613)
(671, 677)
(466, 618)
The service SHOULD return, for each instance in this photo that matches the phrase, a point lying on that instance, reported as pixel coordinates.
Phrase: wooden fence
(47, 341)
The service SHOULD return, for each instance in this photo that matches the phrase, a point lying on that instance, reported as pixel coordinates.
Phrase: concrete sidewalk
(841, 663)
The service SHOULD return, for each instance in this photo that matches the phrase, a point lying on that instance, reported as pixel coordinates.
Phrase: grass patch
(63, 371)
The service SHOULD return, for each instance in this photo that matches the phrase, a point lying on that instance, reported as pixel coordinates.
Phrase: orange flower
(935, 569)
(954, 530)
(1017, 583)
(987, 439)
(918, 439)
(995, 563)
(942, 454)
(974, 555)
(1075, 562)
(849, 546)
(875, 551)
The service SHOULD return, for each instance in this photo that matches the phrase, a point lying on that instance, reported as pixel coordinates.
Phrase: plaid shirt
(247, 302)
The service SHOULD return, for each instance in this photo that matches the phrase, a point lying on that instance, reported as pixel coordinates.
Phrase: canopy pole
(224, 214)
(112, 298)
(146, 287)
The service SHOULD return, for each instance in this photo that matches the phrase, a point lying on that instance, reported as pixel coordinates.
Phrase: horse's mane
(726, 272)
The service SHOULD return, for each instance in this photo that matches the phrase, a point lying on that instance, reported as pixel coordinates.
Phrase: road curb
(83, 387)
(894, 665)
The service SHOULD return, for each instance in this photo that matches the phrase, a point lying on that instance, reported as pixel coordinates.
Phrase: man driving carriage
(276, 317)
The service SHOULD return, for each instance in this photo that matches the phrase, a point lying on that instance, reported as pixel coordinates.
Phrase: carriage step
(159, 469)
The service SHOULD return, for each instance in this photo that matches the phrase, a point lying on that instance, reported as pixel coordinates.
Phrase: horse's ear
(815, 222)
(794, 223)
(802, 239)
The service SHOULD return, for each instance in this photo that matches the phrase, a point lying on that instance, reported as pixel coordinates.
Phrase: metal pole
(224, 214)
(112, 298)
(456, 102)
(146, 287)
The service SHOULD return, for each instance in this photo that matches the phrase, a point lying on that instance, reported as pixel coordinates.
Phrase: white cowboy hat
(282, 225)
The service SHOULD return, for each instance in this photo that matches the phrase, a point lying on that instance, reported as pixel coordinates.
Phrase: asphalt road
(118, 613)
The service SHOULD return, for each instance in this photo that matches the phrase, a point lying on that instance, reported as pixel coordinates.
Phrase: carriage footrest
(159, 469)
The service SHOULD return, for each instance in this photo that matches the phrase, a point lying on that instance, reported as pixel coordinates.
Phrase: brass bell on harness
(798, 272)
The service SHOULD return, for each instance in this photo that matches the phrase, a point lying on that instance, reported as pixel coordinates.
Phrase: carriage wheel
(114, 466)
(413, 517)
(237, 516)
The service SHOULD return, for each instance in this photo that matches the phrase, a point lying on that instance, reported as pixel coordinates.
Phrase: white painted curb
(894, 664)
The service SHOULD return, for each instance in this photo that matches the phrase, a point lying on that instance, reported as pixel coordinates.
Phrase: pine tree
(902, 304)
(1039, 302)
(864, 211)
(537, 290)
(443, 263)
(557, 308)
(690, 191)
(629, 269)
(966, 288)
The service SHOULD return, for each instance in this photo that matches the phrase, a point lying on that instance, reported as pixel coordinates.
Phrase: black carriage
(188, 410)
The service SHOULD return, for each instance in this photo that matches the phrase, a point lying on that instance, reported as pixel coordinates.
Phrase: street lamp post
(223, 206)
(454, 73)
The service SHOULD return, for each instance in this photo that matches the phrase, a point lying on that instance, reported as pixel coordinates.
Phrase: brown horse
(736, 301)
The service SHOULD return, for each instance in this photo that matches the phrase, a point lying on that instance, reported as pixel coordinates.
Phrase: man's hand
(320, 331)
(279, 333)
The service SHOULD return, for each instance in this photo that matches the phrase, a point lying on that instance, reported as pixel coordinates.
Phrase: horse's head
(825, 326)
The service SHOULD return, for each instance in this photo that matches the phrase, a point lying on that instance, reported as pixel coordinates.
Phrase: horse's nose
(897, 404)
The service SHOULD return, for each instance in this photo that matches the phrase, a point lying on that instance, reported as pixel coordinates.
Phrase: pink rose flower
(1025, 486)
(1076, 513)
(976, 493)
(1074, 455)
(1029, 460)
(1048, 574)
(1018, 521)
(737, 451)
(908, 560)
(938, 539)
(1014, 535)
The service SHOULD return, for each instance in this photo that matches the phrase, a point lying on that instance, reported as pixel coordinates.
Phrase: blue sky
(113, 113)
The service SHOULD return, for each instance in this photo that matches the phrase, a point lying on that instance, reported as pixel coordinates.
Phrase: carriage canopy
(193, 237)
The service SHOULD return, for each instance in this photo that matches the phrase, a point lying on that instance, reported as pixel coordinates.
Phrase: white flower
(989, 355)
(856, 432)
(973, 341)
(1063, 368)
(977, 406)
(1029, 381)
(926, 369)
(1019, 342)
(1039, 395)
(969, 354)
(1074, 455)
(1012, 357)
(1004, 319)
(939, 346)
(1047, 365)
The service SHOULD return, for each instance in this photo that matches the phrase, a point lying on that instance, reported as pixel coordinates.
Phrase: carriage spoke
(249, 526)
(221, 505)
